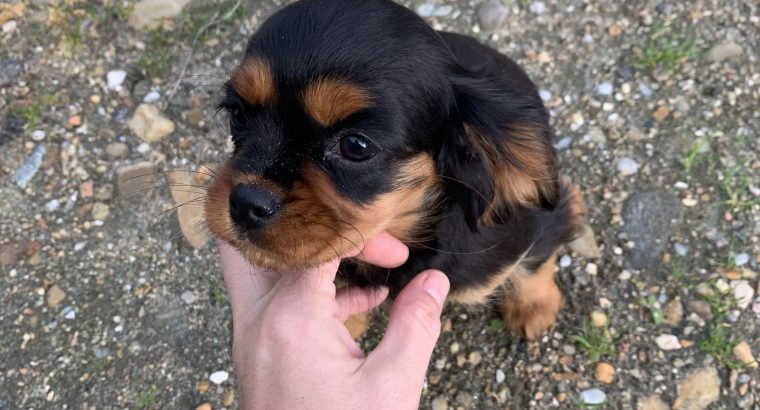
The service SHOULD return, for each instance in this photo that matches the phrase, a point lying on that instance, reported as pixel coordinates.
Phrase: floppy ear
(498, 155)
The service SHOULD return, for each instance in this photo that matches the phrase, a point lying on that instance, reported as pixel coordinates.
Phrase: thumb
(413, 329)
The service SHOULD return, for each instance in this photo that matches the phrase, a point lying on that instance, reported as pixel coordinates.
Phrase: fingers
(353, 300)
(413, 328)
(245, 283)
(385, 251)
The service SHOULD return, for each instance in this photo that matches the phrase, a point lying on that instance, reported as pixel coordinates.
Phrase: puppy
(350, 118)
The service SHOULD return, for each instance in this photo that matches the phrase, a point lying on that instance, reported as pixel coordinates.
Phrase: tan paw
(530, 318)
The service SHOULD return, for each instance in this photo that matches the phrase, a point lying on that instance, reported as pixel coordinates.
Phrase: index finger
(245, 283)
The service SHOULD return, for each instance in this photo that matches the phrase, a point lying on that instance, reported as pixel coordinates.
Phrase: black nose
(252, 206)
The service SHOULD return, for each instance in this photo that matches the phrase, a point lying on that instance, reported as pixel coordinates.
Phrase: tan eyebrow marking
(330, 100)
(254, 81)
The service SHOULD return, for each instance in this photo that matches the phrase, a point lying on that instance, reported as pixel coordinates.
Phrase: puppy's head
(349, 121)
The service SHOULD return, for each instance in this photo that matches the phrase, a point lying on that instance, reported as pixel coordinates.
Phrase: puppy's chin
(285, 260)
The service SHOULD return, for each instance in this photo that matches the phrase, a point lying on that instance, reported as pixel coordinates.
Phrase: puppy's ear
(498, 154)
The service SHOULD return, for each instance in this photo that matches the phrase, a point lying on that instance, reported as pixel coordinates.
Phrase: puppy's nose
(253, 206)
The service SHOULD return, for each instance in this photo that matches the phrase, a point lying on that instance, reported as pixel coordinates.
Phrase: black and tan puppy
(353, 117)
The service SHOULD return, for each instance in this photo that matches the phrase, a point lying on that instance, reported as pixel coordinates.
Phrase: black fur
(425, 85)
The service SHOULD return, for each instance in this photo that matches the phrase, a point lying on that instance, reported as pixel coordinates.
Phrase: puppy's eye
(356, 148)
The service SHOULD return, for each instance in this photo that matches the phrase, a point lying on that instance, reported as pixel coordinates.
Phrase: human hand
(292, 351)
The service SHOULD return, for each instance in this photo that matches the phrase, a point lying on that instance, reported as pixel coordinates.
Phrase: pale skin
(292, 351)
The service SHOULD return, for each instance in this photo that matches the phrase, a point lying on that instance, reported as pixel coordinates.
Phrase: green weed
(595, 342)
(666, 49)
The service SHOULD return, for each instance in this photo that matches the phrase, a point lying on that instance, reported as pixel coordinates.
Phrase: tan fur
(254, 81)
(331, 100)
(532, 300)
(357, 324)
(318, 224)
(480, 294)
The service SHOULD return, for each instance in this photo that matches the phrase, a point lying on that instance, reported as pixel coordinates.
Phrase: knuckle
(423, 314)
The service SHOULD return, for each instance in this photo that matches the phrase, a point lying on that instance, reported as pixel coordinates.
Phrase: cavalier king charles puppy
(353, 117)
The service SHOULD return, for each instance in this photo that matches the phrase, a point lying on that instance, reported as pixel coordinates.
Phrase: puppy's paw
(529, 315)
(357, 325)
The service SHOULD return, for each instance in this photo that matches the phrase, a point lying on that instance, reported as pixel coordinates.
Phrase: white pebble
(627, 166)
(681, 249)
(667, 342)
(645, 89)
(52, 205)
(219, 377)
(564, 143)
(680, 185)
(565, 261)
(188, 297)
(426, 10)
(500, 376)
(115, 79)
(593, 396)
(151, 97)
(545, 95)
(625, 275)
(38, 135)
(592, 269)
(143, 148)
(605, 89)
(10, 27)
(741, 259)
(69, 313)
(442, 11)
(537, 7)
(743, 292)
(79, 246)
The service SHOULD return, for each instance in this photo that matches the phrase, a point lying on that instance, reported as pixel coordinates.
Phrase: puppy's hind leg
(532, 300)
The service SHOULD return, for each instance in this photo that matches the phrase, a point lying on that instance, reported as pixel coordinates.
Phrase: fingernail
(437, 285)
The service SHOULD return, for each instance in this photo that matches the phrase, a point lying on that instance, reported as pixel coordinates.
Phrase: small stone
(75, 121)
(537, 7)
(653, 402)
(203, 387)
(229, 398)
(627, 166)
(29, 168)
(149, 124)
(545, 95)
(592, 269)
(661, 113)
(681, 249)
(219, 377)
(741, 259)
(743, 353)
(151, 97)
(585, 245)
(53, 205)
(149, 14)
(701, 308)
(188, 297)
(667, 342)
(700, 389)
(439, 403)
(69, 313)
(426, 9)
(474, 358)
(10, 253)
(136, 177)
(492, 14)
(598, 318)
(115, 79)
(564, 143)
(605, 88)
(117, 150)
(724, 51)
(9, 27)
(743, 292)
(596, 135)
(204, 406)
(614, 30)
(38, 135)
(645, 89)
(55, 295)
(604, 372)
(500, 376)
(100, 211)
(454, 348)
(86, 189)
(673, 312)
(568, 350)
(593, 397)
(565, 261)
(188, 216)
(722, 286)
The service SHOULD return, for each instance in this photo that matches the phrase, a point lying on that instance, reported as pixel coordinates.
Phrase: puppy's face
(341, 130)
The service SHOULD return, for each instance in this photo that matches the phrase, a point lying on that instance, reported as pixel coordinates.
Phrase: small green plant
(497, 325)
(595, 342)
(666, 49)
(650, 303)
(217, 293)
(32, 113)
(719, 341)
(692, 155)
(148, 398)
(735, 184)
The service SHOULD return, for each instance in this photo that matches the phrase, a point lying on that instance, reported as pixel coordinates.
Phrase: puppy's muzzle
(252, 207)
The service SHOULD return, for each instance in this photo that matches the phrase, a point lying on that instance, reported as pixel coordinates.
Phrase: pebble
(135, 177)
(563, 143)
(115, 79)
(151, 97)
(69, 313)
(229, 398)
(537, 7)
(605, 88)
(55, 295)
(204, 406)
(143, 148)
(474, 358)
(724, 51)
(188, 217)
(743, 353)
(667, 342)
(149, 14)
(439, 403)
(645, 89)
(700, 389)
(701, 308)
(565, 261)
(52, 205)
(203, 387)
(117, 150)
(38, 135)
(492, 14)
(604, 372)
(680, 249)
(500, 376)
(653, 402)
(593, 397)
(592, 269)
(598, 318)
(545, 95)
(596, 135)
(188, 297)
(743, 292)
(219, 377)
(100, 211)
(29, 168)
(432, 10)
(673, 312)
(454, 348)
(741, 259)
(568, 350)
(627, 166)
(149, 124)
(661, 113)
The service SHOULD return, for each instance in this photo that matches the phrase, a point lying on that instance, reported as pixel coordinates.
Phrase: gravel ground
(112, 299)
